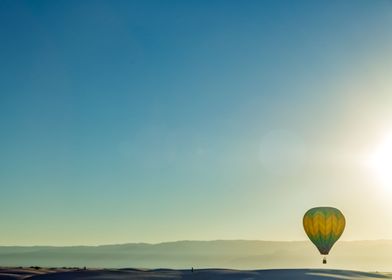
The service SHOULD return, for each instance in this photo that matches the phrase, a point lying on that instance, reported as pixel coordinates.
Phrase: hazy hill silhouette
(238, 254)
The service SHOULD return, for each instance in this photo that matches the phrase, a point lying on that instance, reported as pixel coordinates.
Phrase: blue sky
(128, 121)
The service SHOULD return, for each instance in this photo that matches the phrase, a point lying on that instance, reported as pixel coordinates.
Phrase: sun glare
(381, 162)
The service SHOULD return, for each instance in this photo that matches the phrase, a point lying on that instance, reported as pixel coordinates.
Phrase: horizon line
(185, 240)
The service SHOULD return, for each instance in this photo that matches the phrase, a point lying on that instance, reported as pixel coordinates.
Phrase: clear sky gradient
(149, 121)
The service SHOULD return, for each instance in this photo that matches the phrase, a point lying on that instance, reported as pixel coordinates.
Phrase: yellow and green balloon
(324, 226)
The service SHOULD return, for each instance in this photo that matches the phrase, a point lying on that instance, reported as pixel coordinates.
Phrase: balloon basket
(325, 260)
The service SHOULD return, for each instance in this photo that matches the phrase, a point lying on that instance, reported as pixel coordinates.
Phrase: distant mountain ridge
(239, 254)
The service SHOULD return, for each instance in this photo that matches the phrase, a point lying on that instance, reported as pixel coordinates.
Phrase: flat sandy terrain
(118, 274)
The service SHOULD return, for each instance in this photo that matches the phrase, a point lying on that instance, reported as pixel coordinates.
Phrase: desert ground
(227, 274)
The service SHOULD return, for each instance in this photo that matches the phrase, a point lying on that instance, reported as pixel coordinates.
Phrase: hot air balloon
(324, 226)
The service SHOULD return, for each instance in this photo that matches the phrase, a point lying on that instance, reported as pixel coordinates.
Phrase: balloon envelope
(324, 226)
